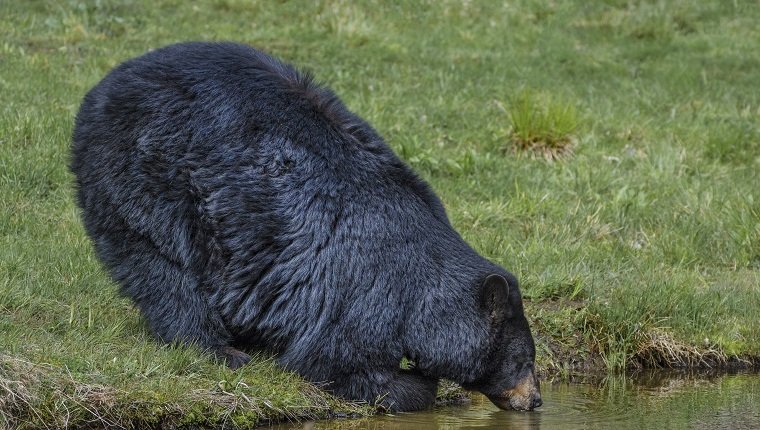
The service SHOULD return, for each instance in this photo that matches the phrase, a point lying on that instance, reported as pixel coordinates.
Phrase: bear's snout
(525, 396)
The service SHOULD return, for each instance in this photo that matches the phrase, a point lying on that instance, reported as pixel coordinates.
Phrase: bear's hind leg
(170, 296)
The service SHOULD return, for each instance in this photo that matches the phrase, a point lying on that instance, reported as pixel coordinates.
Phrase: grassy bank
(607, 154)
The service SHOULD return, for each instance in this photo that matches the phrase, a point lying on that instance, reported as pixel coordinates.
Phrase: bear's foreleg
(397, 390)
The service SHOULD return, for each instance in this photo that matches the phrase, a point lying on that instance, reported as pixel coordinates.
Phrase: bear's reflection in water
(480, 413)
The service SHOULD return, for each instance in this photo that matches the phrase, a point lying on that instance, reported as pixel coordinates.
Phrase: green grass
(646, 240)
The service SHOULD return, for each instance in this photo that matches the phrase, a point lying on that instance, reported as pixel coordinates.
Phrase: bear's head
(509, 378)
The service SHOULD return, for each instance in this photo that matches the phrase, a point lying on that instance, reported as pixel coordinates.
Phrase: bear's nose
(537, 402)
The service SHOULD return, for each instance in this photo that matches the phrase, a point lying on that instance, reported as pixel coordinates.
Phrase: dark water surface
(646, 401)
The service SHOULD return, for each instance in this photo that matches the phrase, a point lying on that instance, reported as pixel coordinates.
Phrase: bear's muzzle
(525, 396)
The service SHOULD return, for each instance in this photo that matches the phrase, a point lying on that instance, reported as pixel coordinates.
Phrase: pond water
(650, 400)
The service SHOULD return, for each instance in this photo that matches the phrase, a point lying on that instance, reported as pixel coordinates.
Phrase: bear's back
(196, 132)
(191, 93)
(155, 121)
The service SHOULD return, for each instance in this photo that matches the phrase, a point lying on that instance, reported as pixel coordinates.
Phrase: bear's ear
(494, 297)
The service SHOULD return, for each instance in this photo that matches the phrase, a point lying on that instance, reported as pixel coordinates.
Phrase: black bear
(242, 206)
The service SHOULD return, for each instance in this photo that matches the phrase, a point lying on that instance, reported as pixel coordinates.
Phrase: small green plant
(542, 125)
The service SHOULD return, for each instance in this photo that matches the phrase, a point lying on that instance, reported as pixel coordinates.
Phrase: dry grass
(44, 396)
(660, 350)
(22, 402)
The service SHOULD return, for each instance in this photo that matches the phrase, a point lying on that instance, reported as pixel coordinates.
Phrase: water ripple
(652, 400)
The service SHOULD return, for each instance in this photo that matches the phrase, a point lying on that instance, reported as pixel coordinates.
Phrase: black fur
(241, 205)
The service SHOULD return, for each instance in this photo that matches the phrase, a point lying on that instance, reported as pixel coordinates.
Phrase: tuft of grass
(542, 125)
(658, 349)
(450, 393)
